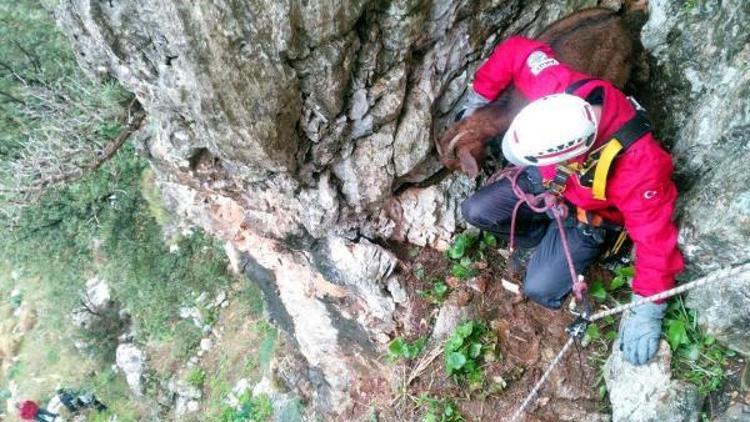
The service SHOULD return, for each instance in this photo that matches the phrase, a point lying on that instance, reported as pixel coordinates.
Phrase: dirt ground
(529, 336)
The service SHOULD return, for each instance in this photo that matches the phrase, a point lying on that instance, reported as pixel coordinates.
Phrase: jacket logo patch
(649, 194)
(539, 61)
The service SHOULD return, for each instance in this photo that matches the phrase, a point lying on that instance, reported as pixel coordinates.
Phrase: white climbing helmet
(550, 130)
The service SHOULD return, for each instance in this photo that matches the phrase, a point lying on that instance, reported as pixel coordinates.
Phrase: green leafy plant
(250, 409)
(439, 410)
(697, 357)
(437, 292)
(467, 248)
(399, 348)
(470, 345)
(196, 377)
(461, 245)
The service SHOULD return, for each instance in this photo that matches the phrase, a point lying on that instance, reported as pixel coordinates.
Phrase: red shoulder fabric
(640, 193)
(528, 64)
(28, 410)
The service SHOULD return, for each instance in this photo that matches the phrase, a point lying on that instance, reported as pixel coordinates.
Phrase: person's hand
(471, 103)
(640, 331)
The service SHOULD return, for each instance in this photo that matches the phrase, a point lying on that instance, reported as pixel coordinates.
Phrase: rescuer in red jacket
(568, 124)
(28, 410)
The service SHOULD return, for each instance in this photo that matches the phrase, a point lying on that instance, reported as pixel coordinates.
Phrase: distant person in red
(30, 411)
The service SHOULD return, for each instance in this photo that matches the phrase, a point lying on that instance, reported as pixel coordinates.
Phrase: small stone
(509, 286)
(193, 406)
(206, 344)
(453, 282)
(543, 401)
(220, 299)
(464, 297)
(480, 265)
(478, 283)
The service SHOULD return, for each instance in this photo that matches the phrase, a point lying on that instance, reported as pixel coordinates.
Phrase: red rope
(541, 203)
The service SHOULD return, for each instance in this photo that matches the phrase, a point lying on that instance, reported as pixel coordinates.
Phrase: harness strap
(577, 84)
(601, 171)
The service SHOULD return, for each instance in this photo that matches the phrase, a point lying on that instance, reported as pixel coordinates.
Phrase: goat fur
(592, 41)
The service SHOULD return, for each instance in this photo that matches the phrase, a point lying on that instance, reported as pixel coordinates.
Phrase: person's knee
(471, 210)
(542, 289)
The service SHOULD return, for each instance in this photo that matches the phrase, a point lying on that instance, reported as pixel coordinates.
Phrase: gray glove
(641, 330)
(471, 103)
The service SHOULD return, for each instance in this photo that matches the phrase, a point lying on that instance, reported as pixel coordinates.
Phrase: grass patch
(196, 377)
(696, 356)
(439, 410)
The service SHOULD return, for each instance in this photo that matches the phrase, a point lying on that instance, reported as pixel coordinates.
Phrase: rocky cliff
(301, 132)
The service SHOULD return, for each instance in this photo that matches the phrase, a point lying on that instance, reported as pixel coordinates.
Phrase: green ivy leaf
(592, 332)
(465, 261)
(676, 333)
(625, 272)
(597, 291)
(397, 347)
(475, 350)
(460, 271)
(439, 289)
(464, 330)
(457, 249)
(616, 283)
(490, 240)
(455, 361)
(454, 343)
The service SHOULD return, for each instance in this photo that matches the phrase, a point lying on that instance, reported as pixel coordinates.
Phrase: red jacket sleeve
(642, 189)
(511, 62)
(28, 410)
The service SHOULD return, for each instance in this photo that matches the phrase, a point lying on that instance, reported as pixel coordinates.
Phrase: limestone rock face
(301, 132)
(646, 393)
(699, 85)
(132, 362)
(697, 94)
(724, 311)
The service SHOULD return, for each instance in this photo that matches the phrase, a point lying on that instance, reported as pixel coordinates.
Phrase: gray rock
(132, 362)
(398, 293)
(647, 393)
(428, 216)
(697, 95)
(289, 128)
(724, 311)
(451, 314)
(738, 412)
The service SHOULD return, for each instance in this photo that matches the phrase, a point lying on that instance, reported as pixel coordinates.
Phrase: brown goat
(592, 41)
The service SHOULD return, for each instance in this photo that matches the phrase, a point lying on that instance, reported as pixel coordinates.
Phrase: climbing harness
(545, 202)
(548, 202)
(578, 327)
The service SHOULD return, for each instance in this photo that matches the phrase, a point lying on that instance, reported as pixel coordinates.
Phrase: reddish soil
(529, 336)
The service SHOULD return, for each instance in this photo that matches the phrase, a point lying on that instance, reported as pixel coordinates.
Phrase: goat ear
(468, 162)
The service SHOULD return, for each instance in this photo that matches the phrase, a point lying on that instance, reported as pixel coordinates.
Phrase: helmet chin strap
(597, 113)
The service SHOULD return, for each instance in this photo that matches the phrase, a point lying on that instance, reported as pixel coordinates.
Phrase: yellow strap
(602, 168)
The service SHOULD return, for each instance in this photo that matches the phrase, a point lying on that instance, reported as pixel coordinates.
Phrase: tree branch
(135, 121)
(12, 98)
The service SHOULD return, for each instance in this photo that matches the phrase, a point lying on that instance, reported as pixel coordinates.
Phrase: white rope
(716, 275)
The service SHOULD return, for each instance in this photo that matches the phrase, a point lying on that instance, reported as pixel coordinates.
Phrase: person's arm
(646, 195)
(509, 62)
